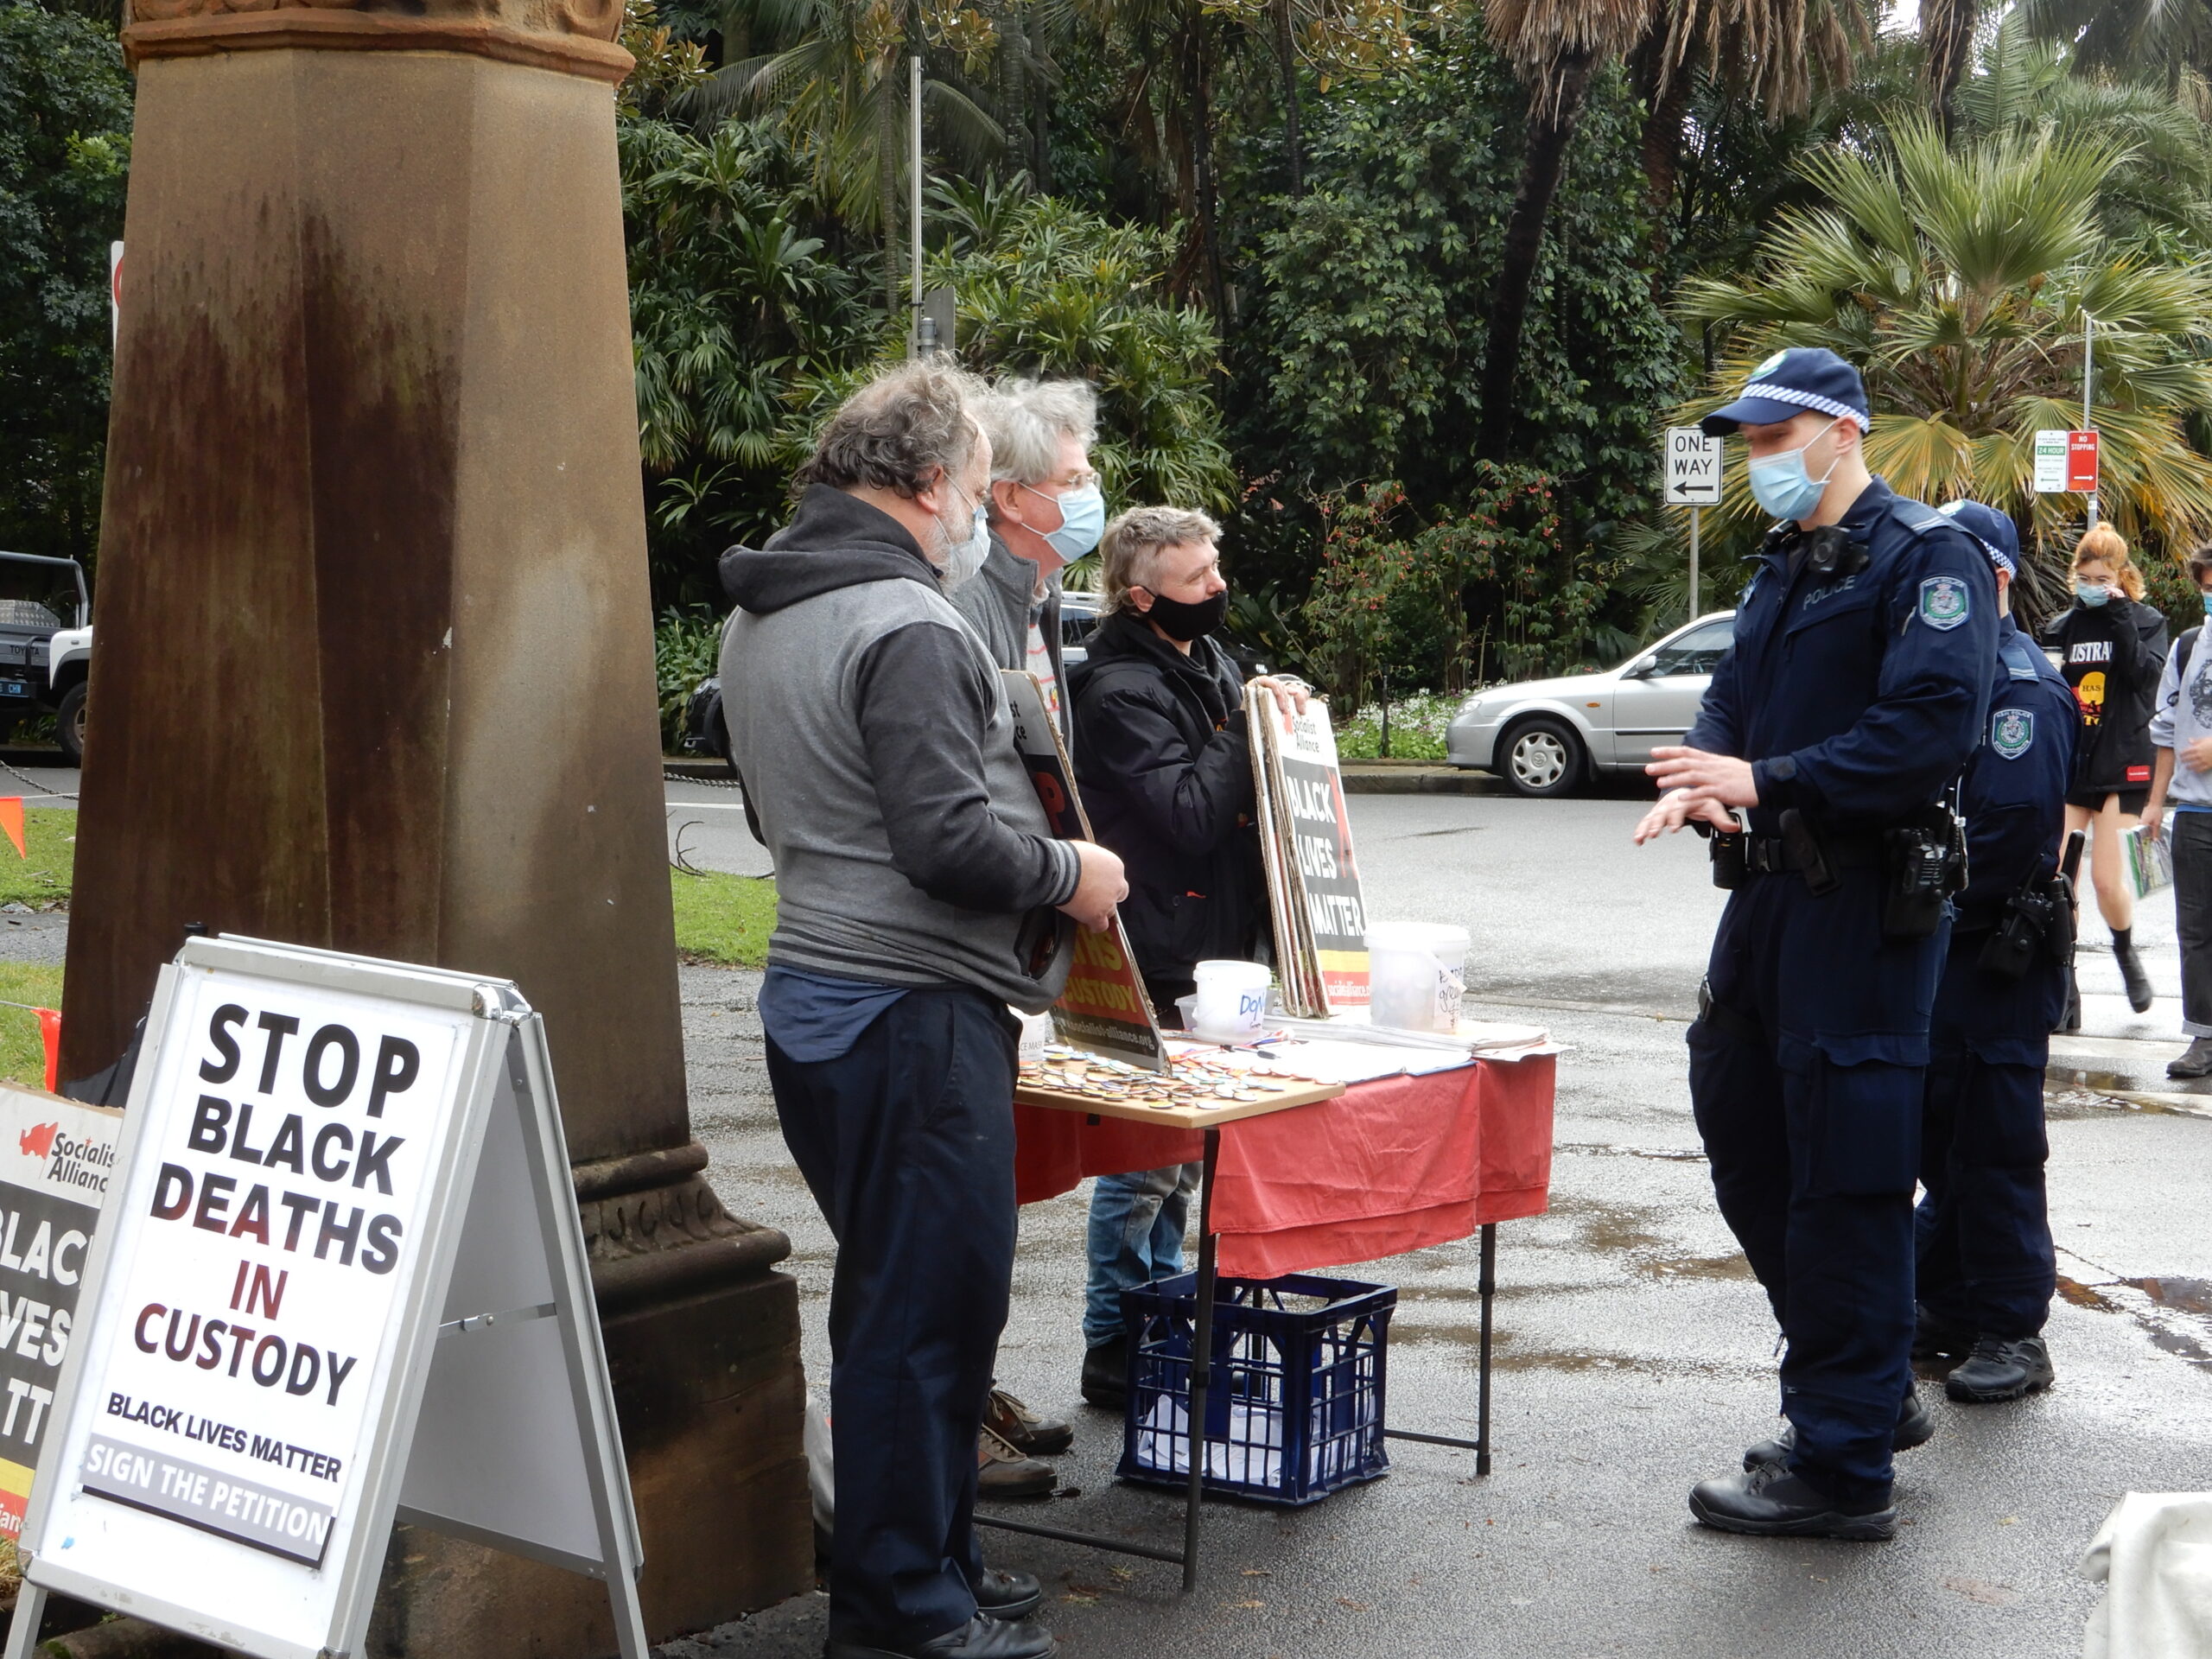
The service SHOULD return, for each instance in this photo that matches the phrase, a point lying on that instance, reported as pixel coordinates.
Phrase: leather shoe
(1998, 1370)
(1769, 1502)
(1916, 1426)
(1933, 1339)
(1003, 1592)
(2195, 1062)
(981, 1638)
(1106, 1374)
(1003, 1471)
(1028, 1431)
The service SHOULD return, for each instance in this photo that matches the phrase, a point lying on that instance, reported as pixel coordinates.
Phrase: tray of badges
(1193, 1092)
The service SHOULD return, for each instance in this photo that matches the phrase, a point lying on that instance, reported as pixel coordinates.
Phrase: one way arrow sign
(1692, 468)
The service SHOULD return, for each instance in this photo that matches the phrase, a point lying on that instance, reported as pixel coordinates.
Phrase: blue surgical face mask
(1783, 487)
(2091, 594)
(2208, 604)
(963, 559)
(1082, 520)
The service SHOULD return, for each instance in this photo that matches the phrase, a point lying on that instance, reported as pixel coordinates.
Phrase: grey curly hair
(899, 431)
(1026, 419)
(1129, 551)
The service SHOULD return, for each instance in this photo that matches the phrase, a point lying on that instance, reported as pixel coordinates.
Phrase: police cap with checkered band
(1792, 382)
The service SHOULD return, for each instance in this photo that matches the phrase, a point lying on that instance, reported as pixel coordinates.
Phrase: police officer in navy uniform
(1986, 1272)
(1854, 692)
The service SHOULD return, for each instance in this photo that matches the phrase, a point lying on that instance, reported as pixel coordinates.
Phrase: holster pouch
(1807, 855)
(2037, 918)
(1923, 864)
(1727, 854)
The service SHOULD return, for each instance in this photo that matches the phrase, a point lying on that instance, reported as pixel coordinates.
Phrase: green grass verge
(22, 1057)
(721, 918)
(50, 832)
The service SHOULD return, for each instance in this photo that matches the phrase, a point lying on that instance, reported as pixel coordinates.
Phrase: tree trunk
(1201, 76)
(1946, 29)
(1662, 156)
(889, 107)
(1551, 122)
(1286, 55)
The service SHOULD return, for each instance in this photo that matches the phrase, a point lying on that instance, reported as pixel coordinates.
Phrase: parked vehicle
(44, 661)
(1548, 737)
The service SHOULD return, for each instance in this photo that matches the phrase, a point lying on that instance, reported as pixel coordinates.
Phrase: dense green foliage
(65, 149)
(1292, 245)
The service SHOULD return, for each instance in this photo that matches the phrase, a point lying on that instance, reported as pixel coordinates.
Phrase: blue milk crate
(1294, 1409)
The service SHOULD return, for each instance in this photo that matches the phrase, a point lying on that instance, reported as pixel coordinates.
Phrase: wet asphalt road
(1634, 1351)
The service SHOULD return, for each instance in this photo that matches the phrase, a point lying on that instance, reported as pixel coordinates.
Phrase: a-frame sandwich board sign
(340, 1281)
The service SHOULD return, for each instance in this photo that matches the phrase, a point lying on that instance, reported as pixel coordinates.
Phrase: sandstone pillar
(373, 672)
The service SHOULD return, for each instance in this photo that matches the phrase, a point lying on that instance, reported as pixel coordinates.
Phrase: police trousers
(1807, 1083)
(1985, 1262)
(907, 1141)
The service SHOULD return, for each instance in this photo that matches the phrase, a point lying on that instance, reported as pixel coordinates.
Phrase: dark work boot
(1932, 1338)
(1106, 1374)
(1769, 1502)
(1916, 1426)
(2195, 1062)
(2131, 971)
(1998, 1370)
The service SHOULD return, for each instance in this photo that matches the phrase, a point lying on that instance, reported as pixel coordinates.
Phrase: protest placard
(280, 1281)
(1104, 1008)
(1312, 875)
(56, 1158)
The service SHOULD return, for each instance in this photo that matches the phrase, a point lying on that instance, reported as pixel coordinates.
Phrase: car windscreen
(37, 596)
(1697, 651)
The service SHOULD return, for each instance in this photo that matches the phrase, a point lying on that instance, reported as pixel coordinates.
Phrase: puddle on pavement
(1695, 1267)
(2191, 1297)
(2081, 1296)
(2183, 1295)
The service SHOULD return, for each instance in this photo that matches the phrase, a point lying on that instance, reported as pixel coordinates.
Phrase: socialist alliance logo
(37, 1141)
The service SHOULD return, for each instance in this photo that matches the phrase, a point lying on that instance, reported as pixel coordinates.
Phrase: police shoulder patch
(2012, 732)
(1944, 602)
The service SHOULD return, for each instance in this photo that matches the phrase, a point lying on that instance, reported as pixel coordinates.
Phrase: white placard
(265, 1303)
(2050, 462)
(1691, 468)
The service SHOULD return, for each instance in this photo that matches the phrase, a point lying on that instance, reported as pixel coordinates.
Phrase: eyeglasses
(1085, 479)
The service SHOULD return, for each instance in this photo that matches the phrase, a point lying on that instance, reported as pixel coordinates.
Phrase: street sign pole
(1696, 513)
(2089, 379)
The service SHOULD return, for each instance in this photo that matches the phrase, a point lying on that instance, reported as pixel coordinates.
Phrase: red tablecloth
(1390, 1166)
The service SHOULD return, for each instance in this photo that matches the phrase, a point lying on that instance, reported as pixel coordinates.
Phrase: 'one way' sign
(1692, 468)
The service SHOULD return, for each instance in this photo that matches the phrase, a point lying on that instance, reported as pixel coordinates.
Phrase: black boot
(2197, 1062)
(1915, 1427)
(981, 1638)
(2131, 969)
(1998, 1370)
(1003, 1593)
(1769, 1502)
(1106, 1374)
(1934, 1339)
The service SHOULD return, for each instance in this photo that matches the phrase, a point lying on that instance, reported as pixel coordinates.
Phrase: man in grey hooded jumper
(920, 891)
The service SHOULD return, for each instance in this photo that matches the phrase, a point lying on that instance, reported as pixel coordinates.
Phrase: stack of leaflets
(1321, 922)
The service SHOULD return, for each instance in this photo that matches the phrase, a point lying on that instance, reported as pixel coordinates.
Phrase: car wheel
(1543, 758)
(69, 724)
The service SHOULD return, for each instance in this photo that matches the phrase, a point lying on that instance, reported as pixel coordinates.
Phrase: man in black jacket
(1162, 759)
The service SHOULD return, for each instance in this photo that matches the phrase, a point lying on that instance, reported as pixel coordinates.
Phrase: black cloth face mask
(1180, 620)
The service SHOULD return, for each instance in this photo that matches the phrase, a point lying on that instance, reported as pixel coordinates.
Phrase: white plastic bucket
(1417, 974)
(1231, 1005)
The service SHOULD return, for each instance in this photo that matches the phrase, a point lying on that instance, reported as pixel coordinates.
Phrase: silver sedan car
(1546, 737)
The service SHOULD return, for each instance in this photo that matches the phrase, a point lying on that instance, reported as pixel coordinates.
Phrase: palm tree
(835, 73)
(1957, 281)
(2164, 42)
(1555, 47)
(1947, 36)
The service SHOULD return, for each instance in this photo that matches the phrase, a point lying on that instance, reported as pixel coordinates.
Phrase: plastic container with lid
(1231, 1005)
(1417, 975)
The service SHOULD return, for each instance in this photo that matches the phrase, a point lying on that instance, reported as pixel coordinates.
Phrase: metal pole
(2088, 380)
(1201, 1366)
(1486, 1289)
(914, 204)
(1696, 513)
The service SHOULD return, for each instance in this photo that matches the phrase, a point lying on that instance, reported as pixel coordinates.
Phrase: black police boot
(1998, 1370)
(1769, 1502)
(2195, 1062)
(981, 1638)
(1916, 1426)
(2139, 995)
(1004, 1594)
(1106, 1374)
(1932, 1338)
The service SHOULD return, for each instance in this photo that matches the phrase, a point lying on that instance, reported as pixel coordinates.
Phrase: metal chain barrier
(44, 793)
(669, 775)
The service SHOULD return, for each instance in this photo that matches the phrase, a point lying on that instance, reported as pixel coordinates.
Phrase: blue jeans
(1136, 1237)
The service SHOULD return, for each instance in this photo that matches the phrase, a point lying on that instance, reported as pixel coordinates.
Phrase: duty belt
(1772, 856)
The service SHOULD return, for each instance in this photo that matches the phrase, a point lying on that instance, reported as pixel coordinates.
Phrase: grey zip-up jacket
(876, 752)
